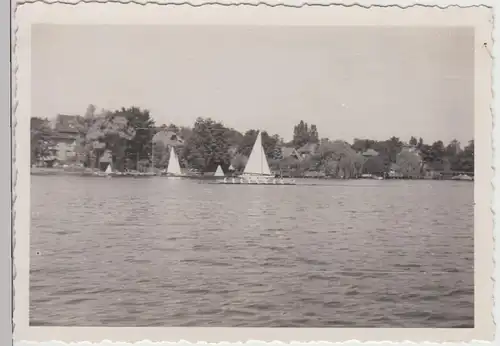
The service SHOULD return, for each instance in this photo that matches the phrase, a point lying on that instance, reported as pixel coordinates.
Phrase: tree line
(135, 141)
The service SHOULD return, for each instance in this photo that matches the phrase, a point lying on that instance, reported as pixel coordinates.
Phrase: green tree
(247, 142)
(426, 153)
(238, 162)
(435, 156)
(185, 133)
(111, 132)
(271, 144)
(300, 134)
(173, 128)
(277, 153)
(413, 141)
(394, 146)
(452, 149)
(208, 145)
(313, 134)
(160, 154)
(234, 138)
(85, 147)
(466, 158)
(303, 134)
(438, 150)
(420, 143)
(139, 147)
(41, 142)
(348, 163)
(386, 153)
(409, 163)
(362, 145)
(374, 165)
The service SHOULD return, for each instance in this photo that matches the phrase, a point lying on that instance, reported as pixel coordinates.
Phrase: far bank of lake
(59, 171)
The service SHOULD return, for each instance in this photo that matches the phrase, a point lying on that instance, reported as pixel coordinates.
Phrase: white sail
(173, 163)
(219, 172)
(257, 161)
(109, 169)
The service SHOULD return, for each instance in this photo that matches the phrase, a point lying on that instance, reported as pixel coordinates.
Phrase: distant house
(436, 169)
(64, 137)
(65, 151)
(308, 149)
(66, 125)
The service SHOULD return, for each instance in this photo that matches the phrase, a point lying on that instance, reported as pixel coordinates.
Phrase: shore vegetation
(130, 139)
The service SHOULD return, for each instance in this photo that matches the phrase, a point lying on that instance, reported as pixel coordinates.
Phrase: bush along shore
(130, 140)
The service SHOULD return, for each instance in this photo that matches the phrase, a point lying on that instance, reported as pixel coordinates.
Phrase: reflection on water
(159, 252)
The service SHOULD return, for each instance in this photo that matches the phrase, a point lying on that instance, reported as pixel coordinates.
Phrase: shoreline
(42, 171)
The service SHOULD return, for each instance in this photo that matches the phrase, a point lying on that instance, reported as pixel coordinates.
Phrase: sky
(352, 82)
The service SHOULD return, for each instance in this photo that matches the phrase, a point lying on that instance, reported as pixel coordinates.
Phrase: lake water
(160, 252)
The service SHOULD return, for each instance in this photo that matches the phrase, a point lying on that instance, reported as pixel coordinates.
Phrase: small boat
(463, 177)
(108, 170)
(108, 173)
(174, 168)
(257, 171)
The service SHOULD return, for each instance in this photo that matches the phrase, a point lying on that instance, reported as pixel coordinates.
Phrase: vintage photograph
(252, 176)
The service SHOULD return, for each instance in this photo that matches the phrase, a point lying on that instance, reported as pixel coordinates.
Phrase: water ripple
(153, 252)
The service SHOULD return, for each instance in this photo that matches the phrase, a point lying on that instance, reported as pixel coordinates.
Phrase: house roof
(370, 152)
(308, 148)
(66, 123)
(37, 123)
(287, 152)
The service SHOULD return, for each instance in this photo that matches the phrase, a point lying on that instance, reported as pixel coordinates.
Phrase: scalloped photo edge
(72, 13)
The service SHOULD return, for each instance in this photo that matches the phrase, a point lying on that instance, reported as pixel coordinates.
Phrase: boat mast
(261, 151)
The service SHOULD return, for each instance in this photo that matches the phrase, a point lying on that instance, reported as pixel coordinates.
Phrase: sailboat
(108, 172)
(219, 172)
(257, 171)
(174, 168)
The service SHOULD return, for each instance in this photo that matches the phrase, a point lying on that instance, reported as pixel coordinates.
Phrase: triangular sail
(173, 163)
(257, 161)
(219, 172)
(109, 169)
